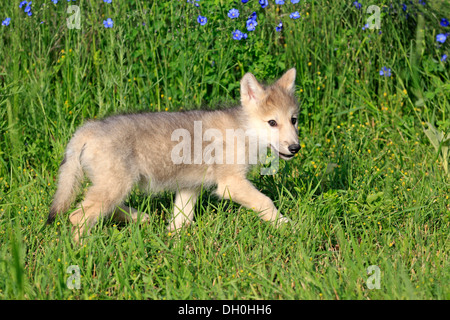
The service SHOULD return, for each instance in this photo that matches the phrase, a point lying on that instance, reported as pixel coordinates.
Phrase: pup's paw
(144, 218)
(285, 223)
(282, 221)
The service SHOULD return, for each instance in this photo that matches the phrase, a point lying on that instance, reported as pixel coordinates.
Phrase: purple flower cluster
(442, 37)
(251, 21)
(27, 9)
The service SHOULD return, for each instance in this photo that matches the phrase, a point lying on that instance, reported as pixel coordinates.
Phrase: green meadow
(368, 192)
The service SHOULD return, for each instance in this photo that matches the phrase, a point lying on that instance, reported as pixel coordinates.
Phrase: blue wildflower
(444, 57)
(263, 3)
(108, 23)
(295, 1)
(6, 22)
(233, 13)
(357, 5)
(202, 20)
(366, 26)
(55, 1)
(385, 71)
(422, 2)
(193, 2)
(237, 34)
(244, 1)
(107, 1)
(28, 7)
(294, 15)
(23, 3)
(404, 7)
(441, 37)
(279, 1)
(253, 16)
(279, 27)
(251, 24)
(444, 22)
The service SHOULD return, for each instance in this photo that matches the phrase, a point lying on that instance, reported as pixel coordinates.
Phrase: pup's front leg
(240, 190)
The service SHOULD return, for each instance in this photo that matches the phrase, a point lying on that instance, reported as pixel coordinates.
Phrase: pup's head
(273, 112)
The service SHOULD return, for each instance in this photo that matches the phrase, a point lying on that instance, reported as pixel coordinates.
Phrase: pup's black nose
(293, 148)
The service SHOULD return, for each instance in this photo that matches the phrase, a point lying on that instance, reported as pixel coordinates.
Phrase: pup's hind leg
(127, 214)
(100, 201)
(183, 208)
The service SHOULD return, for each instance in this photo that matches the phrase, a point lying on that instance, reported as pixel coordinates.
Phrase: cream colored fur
(120, 151)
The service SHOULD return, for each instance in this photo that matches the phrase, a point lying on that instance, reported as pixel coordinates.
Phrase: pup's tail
(70, 175)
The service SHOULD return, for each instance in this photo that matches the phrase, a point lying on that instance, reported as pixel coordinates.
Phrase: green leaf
(374, 197)
(440, 143)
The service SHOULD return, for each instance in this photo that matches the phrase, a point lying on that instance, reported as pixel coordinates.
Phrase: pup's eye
(294, 120)
(272, 123)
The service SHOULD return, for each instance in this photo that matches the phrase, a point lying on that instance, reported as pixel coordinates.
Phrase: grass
(383, 200)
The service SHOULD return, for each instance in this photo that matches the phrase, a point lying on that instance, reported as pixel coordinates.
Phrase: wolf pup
(122, 151)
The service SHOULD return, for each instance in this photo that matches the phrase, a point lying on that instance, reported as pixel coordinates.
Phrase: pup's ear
(251, 91)
(287, 81)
